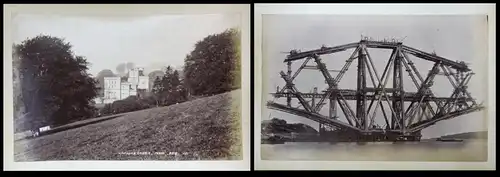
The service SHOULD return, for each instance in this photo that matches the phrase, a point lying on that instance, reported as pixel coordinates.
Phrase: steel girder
(377, 44)
(418, 115)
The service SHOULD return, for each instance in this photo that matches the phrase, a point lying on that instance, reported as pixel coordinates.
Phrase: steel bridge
(359, 123)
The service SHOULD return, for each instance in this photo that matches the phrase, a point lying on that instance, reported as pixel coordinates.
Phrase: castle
(117, 89)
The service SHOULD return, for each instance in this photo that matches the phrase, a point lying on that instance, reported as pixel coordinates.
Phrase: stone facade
(116, 89)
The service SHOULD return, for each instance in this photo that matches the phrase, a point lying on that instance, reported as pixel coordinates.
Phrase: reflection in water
(469, 150)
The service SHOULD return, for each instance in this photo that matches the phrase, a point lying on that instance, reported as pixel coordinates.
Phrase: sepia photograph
(162, 87)
(377, 88)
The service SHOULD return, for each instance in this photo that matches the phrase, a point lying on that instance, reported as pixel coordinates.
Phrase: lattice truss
(424, 108)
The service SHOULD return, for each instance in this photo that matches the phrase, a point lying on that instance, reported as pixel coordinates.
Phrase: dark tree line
(55, 86)
(131, 103)
(169, 89)
(281, 126)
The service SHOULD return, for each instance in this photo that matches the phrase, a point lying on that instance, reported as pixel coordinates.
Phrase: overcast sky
(148, 41)
(454, 37)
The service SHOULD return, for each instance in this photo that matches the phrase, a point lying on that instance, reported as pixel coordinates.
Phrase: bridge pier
(398, 104)
(361, 90)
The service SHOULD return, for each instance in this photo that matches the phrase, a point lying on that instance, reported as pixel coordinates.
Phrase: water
(468, 150)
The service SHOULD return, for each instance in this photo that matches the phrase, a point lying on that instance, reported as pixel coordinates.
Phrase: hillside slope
(206, 128)
(468, 135)
(276, 125)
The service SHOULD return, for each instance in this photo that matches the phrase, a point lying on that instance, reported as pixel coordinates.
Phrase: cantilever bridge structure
(359, 124)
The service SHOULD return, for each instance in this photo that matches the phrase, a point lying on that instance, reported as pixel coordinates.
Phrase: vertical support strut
(333, 105)
(313, 101)
(361, 90)
(289, 97)
(313, 104)
(398, 101)
(401, 90)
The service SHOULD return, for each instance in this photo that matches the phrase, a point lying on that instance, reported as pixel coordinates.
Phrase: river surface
(426, 150)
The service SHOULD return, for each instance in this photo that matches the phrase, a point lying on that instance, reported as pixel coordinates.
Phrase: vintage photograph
(127, 87)
(374, 88)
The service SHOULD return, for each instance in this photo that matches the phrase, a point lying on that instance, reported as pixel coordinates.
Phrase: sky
(461, 38)
(147, 41)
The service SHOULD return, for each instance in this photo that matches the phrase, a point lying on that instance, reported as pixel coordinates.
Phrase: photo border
(374, 9)
(129, 9)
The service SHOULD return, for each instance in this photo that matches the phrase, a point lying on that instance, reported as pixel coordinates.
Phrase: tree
(106, 110)
(153, 76)
(213, 66)
(130, 66)
(121, 69)
(169, 89)
(166, 85)
(147, 102)
(18, 106)
(157, 89)
(55, 86)
(176, 93)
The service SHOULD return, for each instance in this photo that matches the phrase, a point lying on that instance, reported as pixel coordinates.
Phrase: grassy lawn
(203, 129)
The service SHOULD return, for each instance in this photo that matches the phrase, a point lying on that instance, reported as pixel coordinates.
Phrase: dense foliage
(169, 89)
(128, 104)
(55, 86)
(281, 126)
(214, 65)
(153, 75)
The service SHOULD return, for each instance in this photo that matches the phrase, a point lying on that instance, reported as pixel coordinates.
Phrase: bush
(281, 126)
(129, 104)
(122, 106)
(147, 102)
(106, 110)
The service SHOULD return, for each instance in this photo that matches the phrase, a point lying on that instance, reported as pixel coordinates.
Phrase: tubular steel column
(401, 90)
(313, 101)
(289, 97)
(361, 91)
(333, 105)
(398, 97)
(313, 104)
